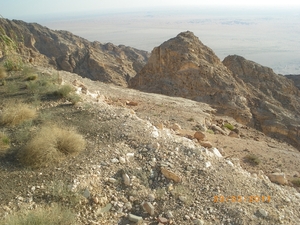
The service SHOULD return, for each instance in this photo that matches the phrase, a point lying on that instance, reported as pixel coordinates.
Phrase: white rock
(207, 164)
(216, 152)
(229, 163)
(126, 179)
(114, 160)
(122, 160)
(129, 156)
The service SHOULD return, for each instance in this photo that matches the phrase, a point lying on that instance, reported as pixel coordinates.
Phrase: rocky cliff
(65, 51)
(254, 95)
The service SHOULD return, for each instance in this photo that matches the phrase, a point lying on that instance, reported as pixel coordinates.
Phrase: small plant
(74, 98)
(12, 87)
(3, 73)
(296, 182)
(253, 159)
(16, 113)
(51, 145)
(4, 142)
(210, 131)
(31, 77)
(55, 215)
(13, 64)
(191, 119)
(64, 91)
(229, 126)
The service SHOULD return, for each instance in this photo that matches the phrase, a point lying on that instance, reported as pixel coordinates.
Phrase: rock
(122, 160)
(199, 136)
(86, 193)
(135, 219)
(262, 213)
(130, 103)
(176, 127)
(162, 220)
(151, 197)
(170, 175)
(216, 152)
(218, 129)
(104, 209)
(112, 180)
(81, 85)
(233, 134)
(149, 208)
(205, 144)
(170, 214)
(126, 179)
(278, 178)
(207, 164)
(130, 156)
(114, 160)
(198, 222)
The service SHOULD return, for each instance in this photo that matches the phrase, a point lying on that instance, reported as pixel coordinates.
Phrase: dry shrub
(55, 215)
(16, 113)
(2, 73)
(51, 145)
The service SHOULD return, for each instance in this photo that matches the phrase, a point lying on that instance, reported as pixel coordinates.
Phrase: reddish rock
(199, 136)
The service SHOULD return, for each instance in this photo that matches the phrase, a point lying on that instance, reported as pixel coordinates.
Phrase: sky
(23, 9)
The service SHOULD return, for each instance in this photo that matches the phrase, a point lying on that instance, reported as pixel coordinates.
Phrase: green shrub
(51, 145)
(55, 215)
(64, 91)
(74, 98)
(13, 64)
(16, 113)
(229, 126)
(210, 131)
(253, 159)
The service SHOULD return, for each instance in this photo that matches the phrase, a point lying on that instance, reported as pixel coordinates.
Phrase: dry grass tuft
(16, 113)
(51, 145)
(3, 73)
(55, 215)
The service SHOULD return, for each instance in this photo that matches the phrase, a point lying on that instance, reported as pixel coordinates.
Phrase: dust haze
(268, 37)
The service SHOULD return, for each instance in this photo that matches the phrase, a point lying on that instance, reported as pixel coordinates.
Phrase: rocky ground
(143, 164)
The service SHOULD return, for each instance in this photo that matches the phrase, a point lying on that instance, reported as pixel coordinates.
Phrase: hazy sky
(23, 9)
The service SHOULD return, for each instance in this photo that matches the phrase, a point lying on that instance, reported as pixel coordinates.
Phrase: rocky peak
(183, 66)
(251, 93)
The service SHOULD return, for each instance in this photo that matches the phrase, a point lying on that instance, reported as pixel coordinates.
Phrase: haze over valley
(269, 37)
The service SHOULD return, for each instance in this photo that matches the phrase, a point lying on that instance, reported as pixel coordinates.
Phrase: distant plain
(268, 37)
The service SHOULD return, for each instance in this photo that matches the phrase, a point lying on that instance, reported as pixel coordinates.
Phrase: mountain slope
(65, 51)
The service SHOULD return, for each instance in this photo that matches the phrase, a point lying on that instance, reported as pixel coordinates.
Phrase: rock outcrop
(252, 94)
(274, 99)
(296, 79)
(66, 51)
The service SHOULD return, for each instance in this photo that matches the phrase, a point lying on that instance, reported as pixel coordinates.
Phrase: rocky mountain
(66, 51)
(252, 94)
(295, 78)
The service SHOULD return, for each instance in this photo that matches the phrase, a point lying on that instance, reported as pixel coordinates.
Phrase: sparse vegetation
(32, 77)
(210, 131)
(74, 98)
(229, 126)
(4, 142)
(253, 159)
(16, 113)
(3, 73)
(64, 91)
(51, 145)
(55, 215)
(13, 64)
(296, 182)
